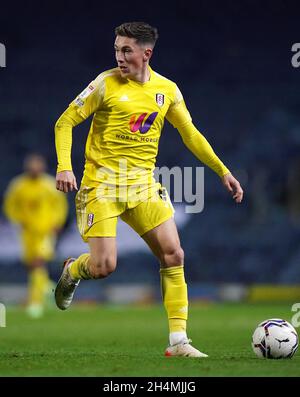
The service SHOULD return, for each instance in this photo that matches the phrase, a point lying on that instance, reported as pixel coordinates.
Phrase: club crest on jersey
(160, 99)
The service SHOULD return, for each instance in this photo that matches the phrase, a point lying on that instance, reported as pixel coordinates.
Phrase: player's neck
(144, 75)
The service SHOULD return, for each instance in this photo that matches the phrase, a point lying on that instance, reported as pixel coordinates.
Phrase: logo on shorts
(90, 220)
(163, 194)
(160, 99)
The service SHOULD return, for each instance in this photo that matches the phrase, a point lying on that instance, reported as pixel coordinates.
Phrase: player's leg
(38, 283)
(164, 242)
(37, 250)
(98, 263)
(153, 221)
(97, 224)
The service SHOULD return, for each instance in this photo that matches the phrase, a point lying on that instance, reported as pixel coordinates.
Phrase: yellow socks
(79, 268)
(175, 297)
(38, 285)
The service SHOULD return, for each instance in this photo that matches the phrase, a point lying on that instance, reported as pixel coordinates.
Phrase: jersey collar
(138, 83)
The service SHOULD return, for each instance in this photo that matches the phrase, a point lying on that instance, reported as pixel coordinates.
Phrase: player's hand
(234, 187)
(66, 181)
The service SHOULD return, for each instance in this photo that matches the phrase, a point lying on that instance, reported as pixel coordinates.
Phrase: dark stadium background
(232, 61)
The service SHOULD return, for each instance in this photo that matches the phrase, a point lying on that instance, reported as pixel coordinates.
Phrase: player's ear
(147, 54)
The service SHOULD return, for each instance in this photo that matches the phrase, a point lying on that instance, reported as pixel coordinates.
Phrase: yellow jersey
(35, 204)
(126, 127)
(128, 117)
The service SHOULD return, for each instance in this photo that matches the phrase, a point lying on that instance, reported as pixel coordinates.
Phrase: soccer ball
(275, 338)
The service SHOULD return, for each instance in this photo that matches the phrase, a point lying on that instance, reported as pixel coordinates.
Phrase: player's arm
(79, 110)
(11, 207)
(180, 118)
(65, 178)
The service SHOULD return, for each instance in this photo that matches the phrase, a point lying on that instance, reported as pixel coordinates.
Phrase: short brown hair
(141, 31)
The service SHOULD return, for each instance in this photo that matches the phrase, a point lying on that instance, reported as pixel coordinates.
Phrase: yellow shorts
(37, 246)
(98, 218)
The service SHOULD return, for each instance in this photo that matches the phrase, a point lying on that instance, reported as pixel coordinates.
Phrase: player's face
(131, 57)
(35, 166)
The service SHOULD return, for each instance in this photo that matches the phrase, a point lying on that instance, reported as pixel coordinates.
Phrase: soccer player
(129, 104)
(34, 204)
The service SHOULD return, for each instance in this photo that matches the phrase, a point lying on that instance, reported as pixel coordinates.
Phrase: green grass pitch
(130, 341)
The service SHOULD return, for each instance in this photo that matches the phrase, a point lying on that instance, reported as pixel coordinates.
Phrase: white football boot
(66, 287)
(184, 349)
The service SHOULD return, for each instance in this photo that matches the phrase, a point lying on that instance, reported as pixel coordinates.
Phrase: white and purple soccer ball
(275, 338)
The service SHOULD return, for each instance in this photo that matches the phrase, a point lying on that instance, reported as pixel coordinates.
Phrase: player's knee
(174, 257)
(102, 267)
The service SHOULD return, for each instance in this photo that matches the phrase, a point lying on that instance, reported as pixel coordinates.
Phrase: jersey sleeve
(91, 98)
(178, 115)
(180, 118)
(86, 103)
(11, 207)
(63, 137)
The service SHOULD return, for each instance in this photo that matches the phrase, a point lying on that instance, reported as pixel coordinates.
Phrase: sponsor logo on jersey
(142, 123)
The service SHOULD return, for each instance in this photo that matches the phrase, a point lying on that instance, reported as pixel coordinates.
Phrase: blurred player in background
(129, 104)
(33, 203)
